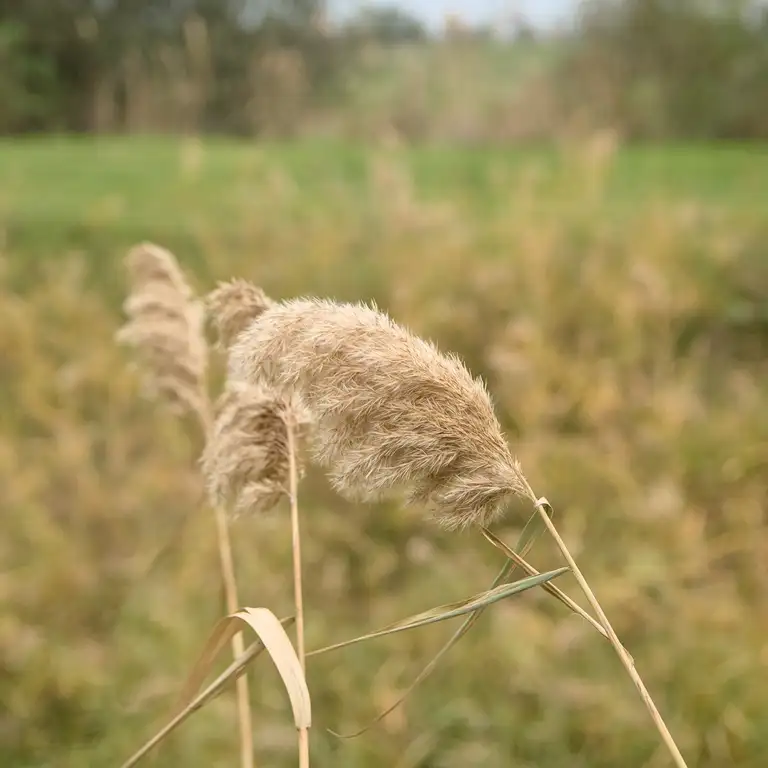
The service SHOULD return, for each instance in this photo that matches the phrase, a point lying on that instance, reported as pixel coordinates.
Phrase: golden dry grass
(626, 356)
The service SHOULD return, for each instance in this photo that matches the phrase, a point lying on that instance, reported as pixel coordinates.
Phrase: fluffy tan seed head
(150, 264)
(245, 462)
(165, 329)
(391, 413)
(234, 306)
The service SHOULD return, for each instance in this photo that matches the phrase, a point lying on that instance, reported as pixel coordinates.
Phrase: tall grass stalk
(227, 564)
(165, 329)
(392, 413)
(297, 585)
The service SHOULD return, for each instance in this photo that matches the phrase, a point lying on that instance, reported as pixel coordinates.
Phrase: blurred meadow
(612, 291)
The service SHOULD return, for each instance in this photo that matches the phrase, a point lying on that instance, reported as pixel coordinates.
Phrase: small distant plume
(165, 329)
(390, 412)
(234, 305)
(149, 264)
(245, 462)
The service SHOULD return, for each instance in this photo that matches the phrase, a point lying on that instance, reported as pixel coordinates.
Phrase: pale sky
(546, 13)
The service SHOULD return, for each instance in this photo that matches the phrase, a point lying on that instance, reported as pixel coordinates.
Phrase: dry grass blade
(450, 610)
(545, 512)
(232, 672)
(551, 588)
(528, 536)
(392, 414)
(444, 612)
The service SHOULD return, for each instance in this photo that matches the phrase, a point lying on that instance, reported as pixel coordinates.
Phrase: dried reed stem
(229, 580)
(245, 440)
(625, 658)
(297, 585)
(238, 644)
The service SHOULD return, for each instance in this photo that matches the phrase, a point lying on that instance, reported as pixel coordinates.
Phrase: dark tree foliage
(54, 55)
(387, 24)
(655, 69)
(673, 68)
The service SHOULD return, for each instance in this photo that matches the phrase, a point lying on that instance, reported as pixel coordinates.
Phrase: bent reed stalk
(624, 657)
(393, 414)
(390, 415)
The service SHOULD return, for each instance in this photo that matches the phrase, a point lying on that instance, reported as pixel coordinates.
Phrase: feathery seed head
(245, 462)
(165, 329)
(149, 263)
(391, 413)
(233, 306)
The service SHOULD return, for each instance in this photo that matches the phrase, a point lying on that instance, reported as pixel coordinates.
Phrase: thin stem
(229, 579)
(626, 660)
(297, 587)
(238, 646)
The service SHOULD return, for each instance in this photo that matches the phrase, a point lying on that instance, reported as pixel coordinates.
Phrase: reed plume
(391, 413)
(165, 330)
(233, 306)
(245, 462)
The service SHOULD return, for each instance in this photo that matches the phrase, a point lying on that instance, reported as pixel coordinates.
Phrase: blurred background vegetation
(581, 213)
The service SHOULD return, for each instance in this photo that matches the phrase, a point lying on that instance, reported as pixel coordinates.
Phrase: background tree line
(653, 69)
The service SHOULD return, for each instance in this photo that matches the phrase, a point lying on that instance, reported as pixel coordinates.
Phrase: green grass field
(56, 190)
(617, 305)
(223, 197)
